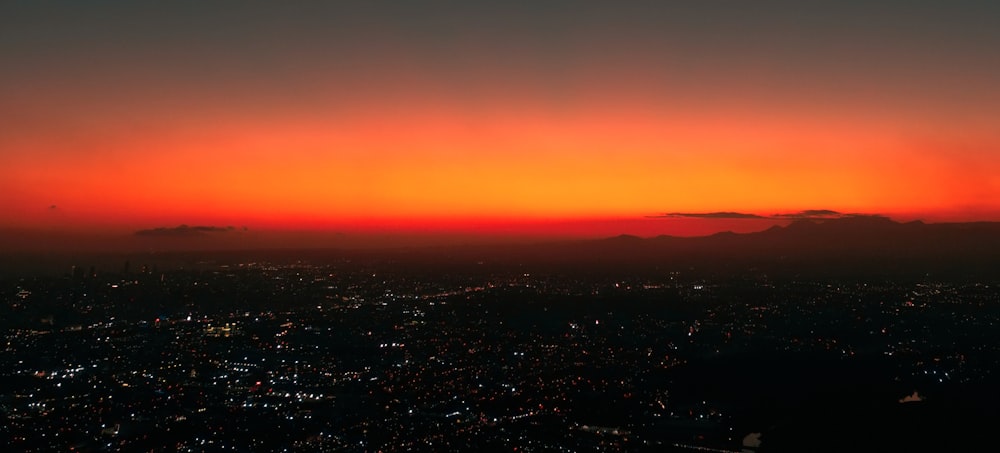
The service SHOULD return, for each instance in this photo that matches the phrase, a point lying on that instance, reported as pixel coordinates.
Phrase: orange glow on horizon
(494, 119)
(439, 170)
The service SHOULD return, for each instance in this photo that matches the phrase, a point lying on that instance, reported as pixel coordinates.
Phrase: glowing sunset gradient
(455, 118)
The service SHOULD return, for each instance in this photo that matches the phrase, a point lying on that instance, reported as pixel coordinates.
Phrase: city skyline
(455, 120)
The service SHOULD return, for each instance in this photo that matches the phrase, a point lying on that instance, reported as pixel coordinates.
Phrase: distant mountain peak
(625, 238)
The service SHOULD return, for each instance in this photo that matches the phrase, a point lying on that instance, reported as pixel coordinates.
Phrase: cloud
(870, 216)
(184, 231)
(914, 398)
(752, 440)
(820, 214)
(810, 214)
(710, 215)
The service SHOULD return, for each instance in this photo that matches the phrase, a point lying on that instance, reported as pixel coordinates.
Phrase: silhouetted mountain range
(852, 244)
(809, 247)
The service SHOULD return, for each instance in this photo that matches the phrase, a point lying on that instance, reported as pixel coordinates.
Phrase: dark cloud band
(184, 231)
(710, 215)
(818, 214)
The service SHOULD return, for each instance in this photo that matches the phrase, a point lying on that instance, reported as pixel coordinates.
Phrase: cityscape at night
(407, 351)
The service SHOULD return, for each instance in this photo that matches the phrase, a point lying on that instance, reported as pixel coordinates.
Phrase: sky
(577, 118)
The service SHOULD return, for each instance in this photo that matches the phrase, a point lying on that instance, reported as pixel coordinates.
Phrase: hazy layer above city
(832, 246)
(63, 236)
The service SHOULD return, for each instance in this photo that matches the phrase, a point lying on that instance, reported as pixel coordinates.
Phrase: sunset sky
(557, 118)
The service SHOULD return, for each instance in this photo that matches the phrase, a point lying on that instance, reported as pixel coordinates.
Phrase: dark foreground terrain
(379, 356)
